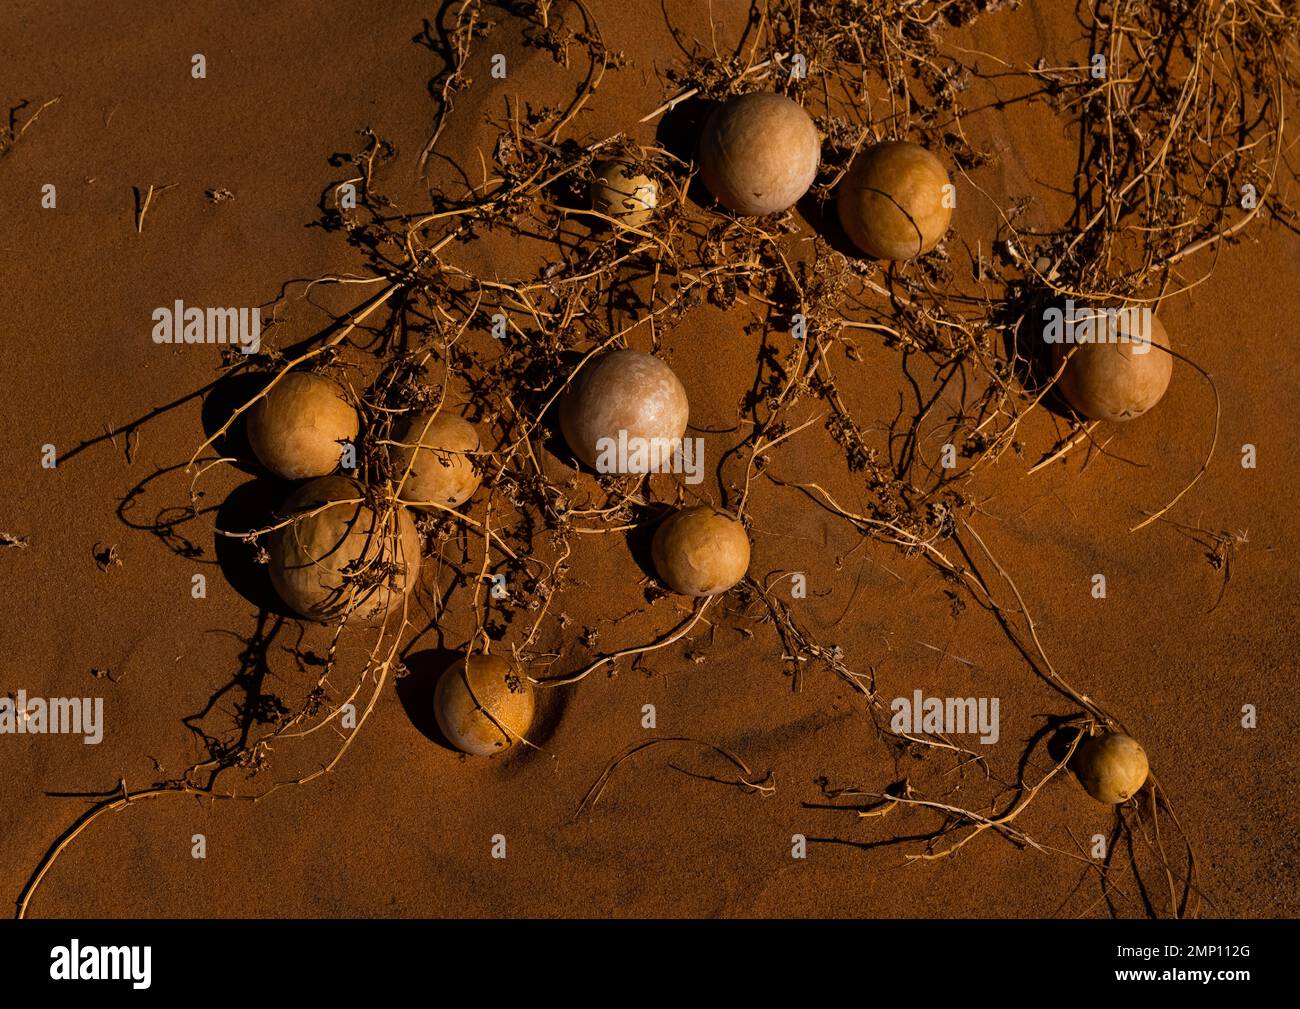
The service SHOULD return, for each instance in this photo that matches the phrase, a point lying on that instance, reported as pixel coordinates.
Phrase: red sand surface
(404, 826)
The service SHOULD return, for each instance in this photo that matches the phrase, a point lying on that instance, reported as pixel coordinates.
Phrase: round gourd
(893, 202)
(438, 449)
(759, 153)
(622, 391)
(297, 429)
(324, 564)
(1116, 380)
(1112, 767)
(700, 552)
(622, 194)
(483, 704)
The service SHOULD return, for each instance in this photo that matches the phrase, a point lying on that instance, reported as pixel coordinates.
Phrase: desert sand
(404, 825)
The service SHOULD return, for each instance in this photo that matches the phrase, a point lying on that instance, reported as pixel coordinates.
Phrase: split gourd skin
(1112, 767)
(336, 558)
(759, 153)
(297, 429)
(438, 448)
(1116, 381)
(483, 704)
(620, 193)
(894, 202)
(700, 552)
(622, 390)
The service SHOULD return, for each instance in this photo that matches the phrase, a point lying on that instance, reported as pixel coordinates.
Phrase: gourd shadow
(1022, 320)
(552, 434)
(416, 692)
(678, 133)
(1062, 738)
(225, 396)
(639, 541)
(251, 505)
(571, 192)
(554, 444)
(821, 215)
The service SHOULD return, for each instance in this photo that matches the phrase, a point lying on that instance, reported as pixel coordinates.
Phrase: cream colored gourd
(759, 153)
(483, 704)
(623, 194)
(1112, 767)
(895, 202)
(622, 391)
(1116, 380)
(432, 459)
(332, 559)
(700, 552)
(297, 430)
